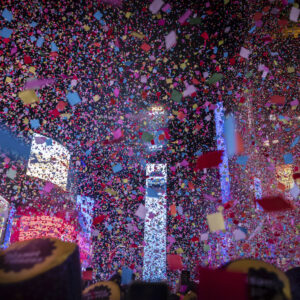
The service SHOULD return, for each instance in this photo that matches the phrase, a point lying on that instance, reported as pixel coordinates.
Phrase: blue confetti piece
(40, 42)
(33, 24)
(12, 145)
(117, 168)
(32, 38)
(288, 158)
(6, 33)
(35, 123)
(242, 160)
(295, 142)
(98, 15)
(54, 47)
(7, 15)
(126, 275)
(252, 29)
(73, 98)
(229, 133)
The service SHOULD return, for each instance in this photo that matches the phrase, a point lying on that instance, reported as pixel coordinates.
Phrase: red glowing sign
(30, 227)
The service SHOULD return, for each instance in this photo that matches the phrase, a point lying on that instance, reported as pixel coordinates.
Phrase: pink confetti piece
(170, 39)
(185, 16)
(155, 6)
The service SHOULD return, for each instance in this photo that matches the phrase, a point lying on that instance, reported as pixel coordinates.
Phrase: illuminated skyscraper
(154, 266)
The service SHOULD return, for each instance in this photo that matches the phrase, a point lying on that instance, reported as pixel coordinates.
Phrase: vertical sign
(257, 190)
(221, 145)
(154, 267)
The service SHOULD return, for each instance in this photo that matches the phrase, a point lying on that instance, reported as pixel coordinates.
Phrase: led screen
(48, 161)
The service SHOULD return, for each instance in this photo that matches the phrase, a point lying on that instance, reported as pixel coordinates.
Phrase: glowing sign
(155, 122)
(285, 175)
(48, 161)
(4, 208)
(85, 206)
(40, 226)
(154, 268)
(221, 145)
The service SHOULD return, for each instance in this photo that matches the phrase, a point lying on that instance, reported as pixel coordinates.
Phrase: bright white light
(221, 145)
(258, 191)
(85, 206)
(49, 161)
(154, 268)
(4, 210)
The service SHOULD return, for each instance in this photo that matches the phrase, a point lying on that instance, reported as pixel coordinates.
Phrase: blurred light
(154, 268)
(285, 175)
(48, 160)
(221, 145)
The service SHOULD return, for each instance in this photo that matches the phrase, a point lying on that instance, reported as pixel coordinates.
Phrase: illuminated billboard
(49, 161)
(4, 210)
(154, 267)
(30, 227)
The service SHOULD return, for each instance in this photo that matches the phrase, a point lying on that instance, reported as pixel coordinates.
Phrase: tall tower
(154, 266)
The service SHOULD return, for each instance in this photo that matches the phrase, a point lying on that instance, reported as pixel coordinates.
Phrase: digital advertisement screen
(49, 161)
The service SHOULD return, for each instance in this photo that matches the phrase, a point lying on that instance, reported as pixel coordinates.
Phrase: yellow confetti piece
(291, 69)
(195, 106)
(128, 15)
(28, 96)
(169, 80)
(8, 80)
(96, 98)
(183, 66)
(32, 70)
(221, 43)
(65, 116)
(215, 222)
(137, 35)
(179, 251)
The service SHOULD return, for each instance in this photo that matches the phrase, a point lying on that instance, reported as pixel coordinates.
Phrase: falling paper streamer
(28, 96)
(185, 16)
(274, 203)
(245, 53)
(38, 83)
(204, 236)
(171, 39)
(257, 230)
(280, 100)
(141, 211)
(174, 262)
(155, 6)
(7, 15)
(6, 33)
(209, 160)
(215, 222)
(189, 91)
(117, 133)
(294, 14)
(239, 235)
